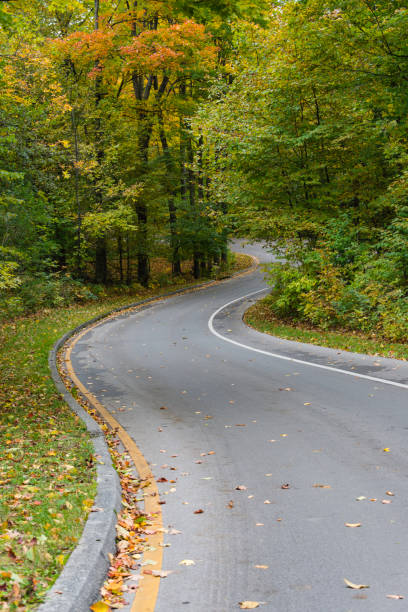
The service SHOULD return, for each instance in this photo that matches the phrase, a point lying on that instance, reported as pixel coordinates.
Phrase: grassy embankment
(261, 318)
(46, 463)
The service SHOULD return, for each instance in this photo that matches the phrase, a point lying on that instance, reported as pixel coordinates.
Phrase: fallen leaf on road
(386, 450)
(285, 486)
(352, 524)
(241, 488)
(187, 562)
(240, 425)
(361, 498)
(174, 532)
(230, 504)
(161, 573)
(284, 435)
(163, 408)
(306, 404)
(200, 511)
(259, 524)
(321, 486)
(267, 501)
(262, 566)
(351, 585)
(390, 493)
(248, 605)
(386, 501)
(162, 479)
(395, 596)
(100, 606)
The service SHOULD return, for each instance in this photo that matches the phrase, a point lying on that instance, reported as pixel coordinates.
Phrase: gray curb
(78, 585)
(82, 577)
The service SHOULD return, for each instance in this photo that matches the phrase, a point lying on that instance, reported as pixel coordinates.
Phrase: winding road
(185, 377)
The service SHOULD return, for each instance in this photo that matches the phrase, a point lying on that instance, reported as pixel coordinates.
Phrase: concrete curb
(79, 583)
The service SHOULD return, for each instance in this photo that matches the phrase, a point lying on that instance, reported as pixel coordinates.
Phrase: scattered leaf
(187, 562)
(386, 450)
(241, 488)
(248, 605)
(351, 585)
(285, 486)
(395, 596)
(386, 501)
(200, 511)
(390, 493)
(230, 504)
(361, 498)
(262, 566)
(352, 524)
(161, 573)
(100, 606)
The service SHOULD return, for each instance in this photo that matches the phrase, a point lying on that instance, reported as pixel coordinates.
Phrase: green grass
(261, 318)
(47, 476)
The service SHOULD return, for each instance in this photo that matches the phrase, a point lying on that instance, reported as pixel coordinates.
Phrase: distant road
(318, 432)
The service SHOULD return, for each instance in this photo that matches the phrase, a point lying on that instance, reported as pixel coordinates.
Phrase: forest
(138, 131)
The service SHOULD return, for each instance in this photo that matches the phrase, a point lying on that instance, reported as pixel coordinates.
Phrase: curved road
(268, 421)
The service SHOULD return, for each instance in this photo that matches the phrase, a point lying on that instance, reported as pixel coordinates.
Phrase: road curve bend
(280, 447)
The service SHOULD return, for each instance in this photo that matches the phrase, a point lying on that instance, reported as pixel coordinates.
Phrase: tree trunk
(174, 240)
(120, 250)
(101, 271)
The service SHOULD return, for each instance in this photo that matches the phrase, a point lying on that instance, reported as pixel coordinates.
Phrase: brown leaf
(200, 511)
(262, 566)
(352, 524)
(321, 486)
(395, 596)
(248, 605)
(241, 488)
(351, 585)
(230, 504)
(390, 493)
(386, 501)
(285, 486)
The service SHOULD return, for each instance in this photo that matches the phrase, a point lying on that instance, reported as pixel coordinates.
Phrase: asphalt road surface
(318, 424)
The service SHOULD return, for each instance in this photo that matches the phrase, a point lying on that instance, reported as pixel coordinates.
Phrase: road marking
(292, 359)
(146, 595)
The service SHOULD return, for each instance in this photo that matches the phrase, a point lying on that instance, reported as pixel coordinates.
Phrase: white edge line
(292, 359)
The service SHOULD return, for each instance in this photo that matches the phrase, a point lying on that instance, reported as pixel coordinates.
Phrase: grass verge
(47, 474)
(260, 317)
